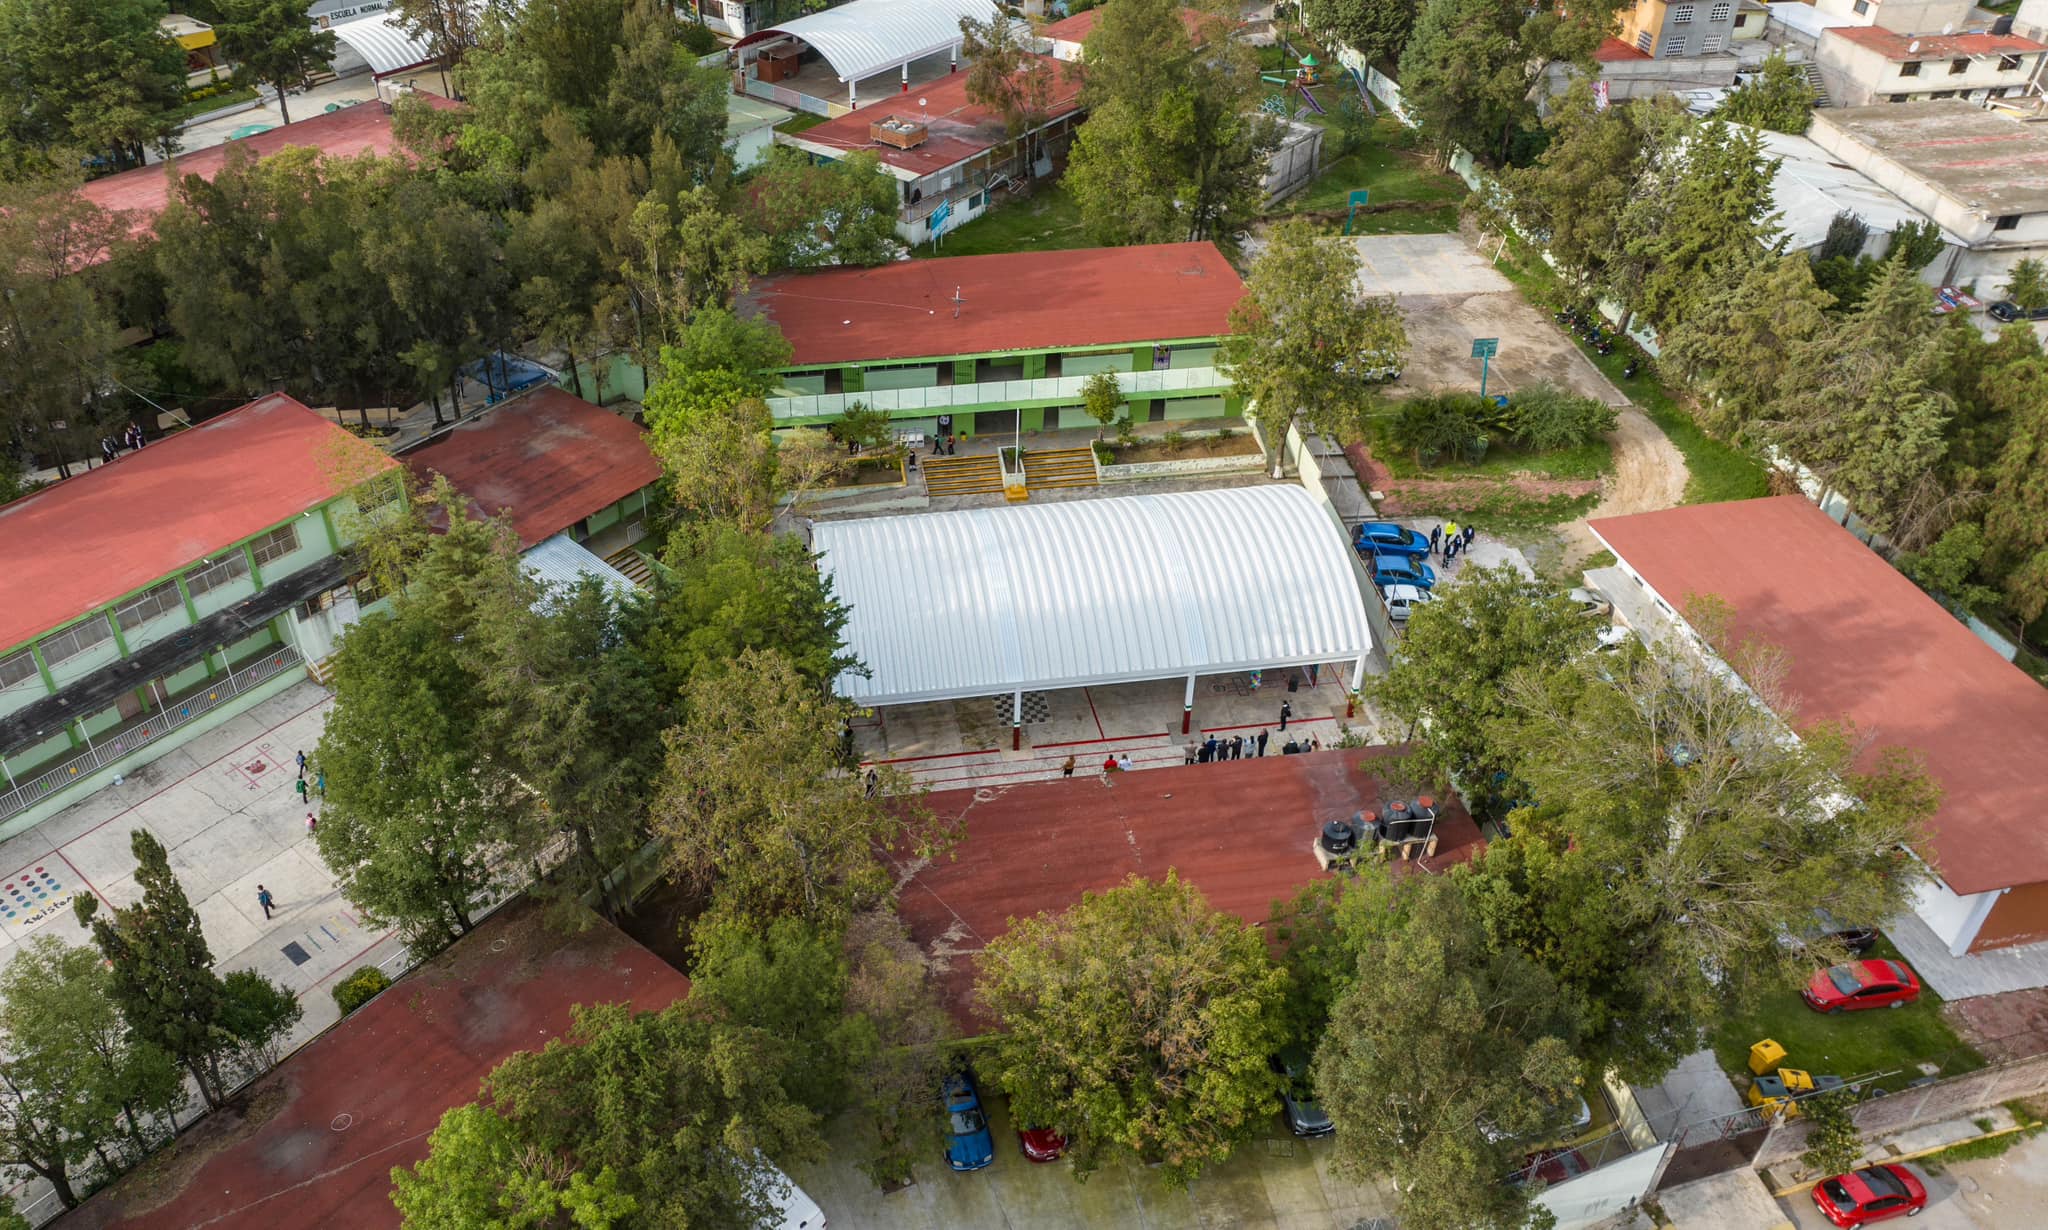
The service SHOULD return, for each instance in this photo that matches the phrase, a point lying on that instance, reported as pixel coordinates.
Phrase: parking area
(1450, 294)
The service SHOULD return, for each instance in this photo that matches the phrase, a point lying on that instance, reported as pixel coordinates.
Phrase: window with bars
(1674, 44)
(1644, 41)
(1681, 15)
(76, 639)
(377, 492)
(147, 605)
(1720, 11)
(1711, 44)
(226, 570)
(277, 544)
(18, 668)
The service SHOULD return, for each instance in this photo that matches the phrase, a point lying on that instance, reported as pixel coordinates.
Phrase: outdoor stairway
(1820, 89)
(1059, 467)
(976, 474)
(629, 561)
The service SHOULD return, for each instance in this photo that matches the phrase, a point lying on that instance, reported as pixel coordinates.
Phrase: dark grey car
(1298, 1103)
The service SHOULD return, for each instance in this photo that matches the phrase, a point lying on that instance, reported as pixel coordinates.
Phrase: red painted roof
(957, 128)
(360, 1099)
(547, 457)
(1012, 301)
(1077, 28)
(1866, 644)
(144, 191)
(1895, 46)
(77, 546)
(1613, 50)
(1240, 831)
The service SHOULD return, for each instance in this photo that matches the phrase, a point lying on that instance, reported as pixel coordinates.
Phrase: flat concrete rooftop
(1984, 159)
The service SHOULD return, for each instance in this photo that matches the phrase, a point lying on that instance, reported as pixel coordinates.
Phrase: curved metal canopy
(865, 37)
(1092, 591)
(383, 43)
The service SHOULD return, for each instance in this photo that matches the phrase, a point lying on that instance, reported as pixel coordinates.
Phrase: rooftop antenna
(958, 299)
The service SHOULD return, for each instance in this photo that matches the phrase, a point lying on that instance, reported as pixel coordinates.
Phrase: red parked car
(1861, 984)
(1041, 1144)
(1552, 1167)
(1865, 1196)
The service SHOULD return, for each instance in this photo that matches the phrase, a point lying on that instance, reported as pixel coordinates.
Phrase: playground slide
(1364, 95)
(1312, 100)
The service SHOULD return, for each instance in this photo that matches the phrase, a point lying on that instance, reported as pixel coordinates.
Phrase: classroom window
(76, 639)
(377, 492)
(277, 544)
(157, 600)
(226, 570)
(18, 668)
(1741, 20)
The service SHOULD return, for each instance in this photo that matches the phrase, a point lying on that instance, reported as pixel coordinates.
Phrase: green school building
(146, 601)
(1004, 342)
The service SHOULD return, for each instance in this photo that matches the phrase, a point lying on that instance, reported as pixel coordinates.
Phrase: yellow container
(1765, 1056)
(1796, 1080)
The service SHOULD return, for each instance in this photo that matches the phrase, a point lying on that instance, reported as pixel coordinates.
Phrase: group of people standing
(130, 439)
(1450, 540)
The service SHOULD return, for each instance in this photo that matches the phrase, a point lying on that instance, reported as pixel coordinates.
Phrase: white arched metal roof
(383, 43)
(864, 37)
(1092, 591)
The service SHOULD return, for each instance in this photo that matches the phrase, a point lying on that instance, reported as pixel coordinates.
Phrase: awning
(1092, 591)
(384, 44)
(866, 37)
(561, 563)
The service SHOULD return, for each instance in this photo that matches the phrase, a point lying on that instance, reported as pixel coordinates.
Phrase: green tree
(161, 969)
(449, 28)
(274, 44)
(256, 1014)
(57, 330)
(1103, 398)
(1304, 340)
(632, 1120)
(722, 591)
(756, 799)
(1175, 146)
(721, 466)
(1777, 97)
(1948, 567)
(2016, 512)
(1138, 1023)
(1445, 1059)
(1748, 338)
(1573, 196)
(900, 1050)
(1006, 76)
(1835, 1145)
(1702, 217)
(789, 980)
(841, 212)
(1447, 682)
(93, 75)
(442, 264)
(1916, 244)
(1440, 426)
(1544, 418)
(2026, 283)
(718, 359)
(75, 1082)
(1376, 29)
(1466, 73)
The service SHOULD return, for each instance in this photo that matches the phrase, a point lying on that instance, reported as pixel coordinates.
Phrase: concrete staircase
(976, 474)
(1820, 88)
(1060, 467)
(629, 561)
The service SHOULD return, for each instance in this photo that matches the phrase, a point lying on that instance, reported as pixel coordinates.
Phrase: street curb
(1800, 1188)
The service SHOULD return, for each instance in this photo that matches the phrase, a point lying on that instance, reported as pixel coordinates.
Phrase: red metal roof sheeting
(1866, 644)
(1613, 50)
(81, 544)
(546, 458)
(1895, 46)
(332, 1121)
(1240, 831)
(1010, 301)
(957, 127)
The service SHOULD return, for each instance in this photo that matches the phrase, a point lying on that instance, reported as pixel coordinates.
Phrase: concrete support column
(1187, 707)
(953, 59)
(1017, 721)
(906, 78)
(1357, 685)
(853, 94)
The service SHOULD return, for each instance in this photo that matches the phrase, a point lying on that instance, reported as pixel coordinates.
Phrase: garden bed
(870, 472)
(1188, 448)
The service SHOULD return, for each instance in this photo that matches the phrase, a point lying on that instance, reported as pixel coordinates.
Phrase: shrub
(1439, 425)
(1544, 418)
(695, 39)
(359, 988)
(1174, 441)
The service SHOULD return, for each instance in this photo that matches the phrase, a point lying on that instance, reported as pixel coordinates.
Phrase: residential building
(1865, 644)
(1665, 29)
(1974, 172)
(143, 602)
(197, 40)
(1871, 64)
(1811, 187)
(1752, 21)
(1898, 16)
(950, 156)
(1004, 342)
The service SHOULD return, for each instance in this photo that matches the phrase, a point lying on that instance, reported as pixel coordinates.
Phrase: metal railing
(999, 392)
(124, 743)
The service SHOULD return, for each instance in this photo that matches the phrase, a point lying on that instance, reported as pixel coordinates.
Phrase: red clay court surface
(1009, 301)
(1240, 831)
(179, 500)
(546, 458)
(316, 1139)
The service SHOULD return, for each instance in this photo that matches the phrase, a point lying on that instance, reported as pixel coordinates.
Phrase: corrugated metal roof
(1092, 591)
(1810, 188)
(382, 42)
(562, 563)
(866, 37)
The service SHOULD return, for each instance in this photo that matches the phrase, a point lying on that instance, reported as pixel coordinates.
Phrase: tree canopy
(1777, 97)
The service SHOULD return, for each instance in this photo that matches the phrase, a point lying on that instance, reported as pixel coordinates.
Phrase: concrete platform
(1726, 1201)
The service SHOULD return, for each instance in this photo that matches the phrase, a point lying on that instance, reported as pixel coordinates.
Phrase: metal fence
(121, 744)
(1916, 1106)
(995, 392)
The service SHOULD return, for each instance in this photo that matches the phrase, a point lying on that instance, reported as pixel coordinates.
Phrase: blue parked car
(970, 1147)
(1400, 570)
(1385, 536)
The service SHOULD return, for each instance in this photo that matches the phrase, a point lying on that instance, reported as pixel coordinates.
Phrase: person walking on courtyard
(302, 764)
(263, 899)
(312, 825)
(1067, 769)
(1209, 750)
(1286, 711)
(1450, 536)
(1436, 538)
(301, 785)
(1263, 735)
(133, 439)
(320, 782)
(1470, 534)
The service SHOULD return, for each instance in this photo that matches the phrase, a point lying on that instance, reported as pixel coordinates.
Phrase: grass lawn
(200, 106)
(1048, 218)
(800, 121)
(1502, 461)
(1503, 510)
(1720, 471)
(1850, 1044)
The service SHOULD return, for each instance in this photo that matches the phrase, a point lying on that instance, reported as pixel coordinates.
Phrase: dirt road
(1649, 473)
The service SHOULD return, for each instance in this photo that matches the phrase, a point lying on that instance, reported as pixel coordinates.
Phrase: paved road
(1994, 1194)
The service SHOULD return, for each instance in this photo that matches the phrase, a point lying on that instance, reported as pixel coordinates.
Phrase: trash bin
(1765, 1056)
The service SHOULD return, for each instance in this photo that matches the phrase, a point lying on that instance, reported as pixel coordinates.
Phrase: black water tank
(1339, 837)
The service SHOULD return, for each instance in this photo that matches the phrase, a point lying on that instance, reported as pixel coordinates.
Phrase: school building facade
(145, 602)
(1004, 342)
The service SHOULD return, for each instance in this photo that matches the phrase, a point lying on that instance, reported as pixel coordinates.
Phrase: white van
(795, 1206)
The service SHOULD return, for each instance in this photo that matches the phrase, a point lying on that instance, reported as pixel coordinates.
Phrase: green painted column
(120, 640)
(1233, 404)
(852, 380)
(191, 607)
(963, 371)
(1141, 358)
(255, 573)
(1034, 368)
(1034, 418)
(43, 669)
(1141, 409)
(327, 523)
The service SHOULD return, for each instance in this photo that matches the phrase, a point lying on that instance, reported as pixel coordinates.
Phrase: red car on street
(1865, 1196)
(1861, 984)
(1041, 1144)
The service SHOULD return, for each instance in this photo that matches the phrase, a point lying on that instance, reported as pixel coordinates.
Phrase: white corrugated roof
(1092, 591)
(865, 37)
(1810, 188)
(383, 43)
(561, 563)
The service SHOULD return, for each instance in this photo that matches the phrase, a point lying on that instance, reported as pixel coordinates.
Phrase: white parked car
(1403, 599)
(1592, 602)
